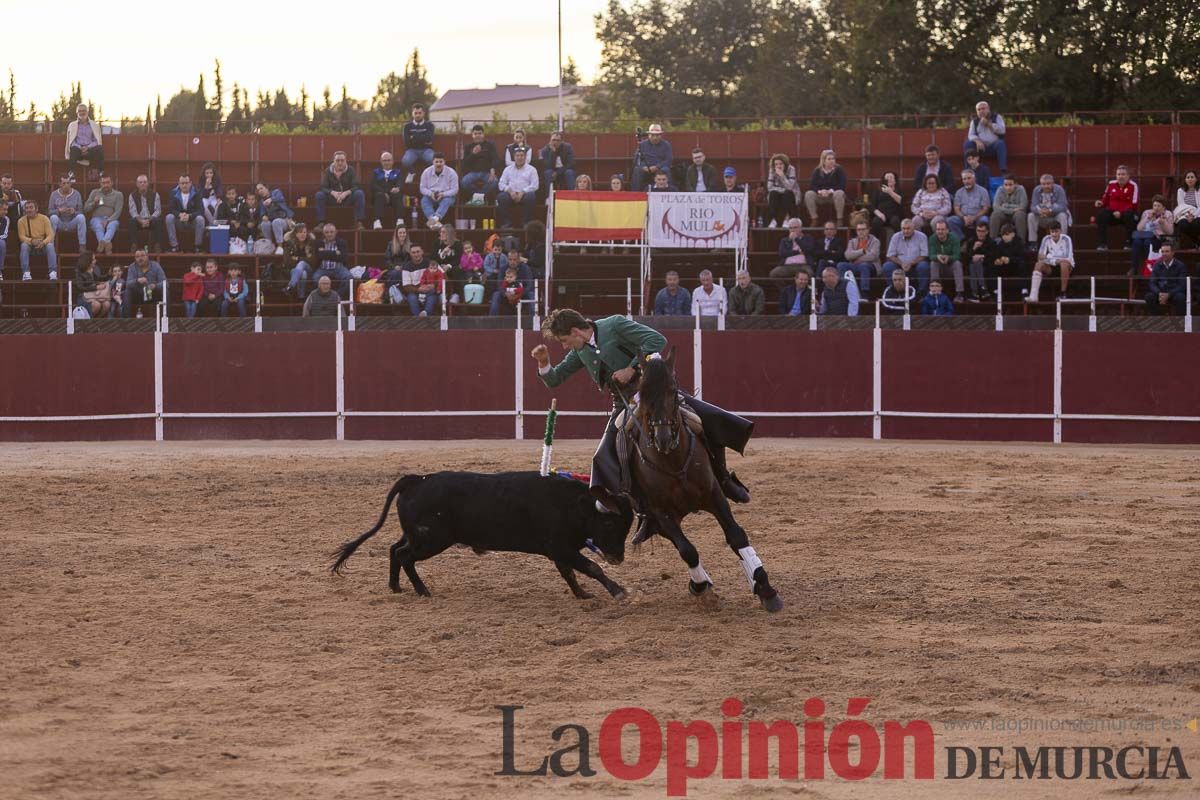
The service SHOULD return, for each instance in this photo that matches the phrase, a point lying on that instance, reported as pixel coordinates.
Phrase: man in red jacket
(1119, 204)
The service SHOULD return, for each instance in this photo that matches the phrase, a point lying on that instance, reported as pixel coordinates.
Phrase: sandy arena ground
(168, 629)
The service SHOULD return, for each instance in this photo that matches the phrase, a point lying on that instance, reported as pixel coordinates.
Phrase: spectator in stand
(66, 210)
(795, 299)
(617, 183)
(510, 149)
(418, 143)
(516, 284)
(91, 287)
(701, 176)
(480, 166)
(430, 284)
(236, 289)
(5, 228)
(105, 204)
(830, 247)
(277, 215)
(405, 285)
(534, 252)
(1056, 252)
(709, 299)
(1048, 204)
(439, 184)
(1187, 207)
(729, 181)
(211, 193)
(299, 254)
(116, 290)
(986, 135)
(931, 203)
(144, 283)
(1009, 255)
(558, 163)
(672, 300)
(184, 208)
(1010, 205)
(339, 183)
(797, 251)
(887, 209)
(323, 302)
(398, 249)
(583, 183)
(448, 252)
(979, 253)
(230, 211)
(1156, 224)
(145, 216)
(1168, 283)
(935, 303)
(1119, 204)
(518, 187)
(653, 156)
(332, 255)
(983, 175)
(862, 257)
(85, 144)
(214, 290)
(387, 189)
(971, 204)
(37, 238)
(934, 165)
(782, 190)
(827, 187)
(839, 297)
(899, 297)
(909, 251)
(470, 264)
(193, 289)
(661, 183)
(945, 249)
(252, 220)
(746, 298)
(494, 262)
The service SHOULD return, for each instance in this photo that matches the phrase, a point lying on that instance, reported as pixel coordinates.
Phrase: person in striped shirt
(1056, 252)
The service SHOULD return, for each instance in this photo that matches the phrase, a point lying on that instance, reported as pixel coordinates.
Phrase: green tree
(570, 73)
(395, 94)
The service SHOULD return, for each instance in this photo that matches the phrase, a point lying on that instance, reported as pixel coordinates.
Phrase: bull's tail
(345, 551)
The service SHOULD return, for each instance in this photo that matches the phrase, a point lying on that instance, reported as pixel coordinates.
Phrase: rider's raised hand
(541, 355)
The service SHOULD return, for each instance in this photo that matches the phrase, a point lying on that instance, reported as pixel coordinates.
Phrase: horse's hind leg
(735, 537)
(699, 583)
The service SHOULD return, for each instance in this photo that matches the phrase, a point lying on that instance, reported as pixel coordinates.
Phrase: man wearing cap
(518, 186)
(83, 140)
(729, 182)
(701, 177)
(652, 157)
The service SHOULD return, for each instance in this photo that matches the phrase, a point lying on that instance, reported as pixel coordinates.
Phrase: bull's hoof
(621, 595)
(395, 587)
(584, 596)
(772, 602)
(705, 595)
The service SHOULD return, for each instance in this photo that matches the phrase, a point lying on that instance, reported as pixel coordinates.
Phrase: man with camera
(652, 157)
(558, 164)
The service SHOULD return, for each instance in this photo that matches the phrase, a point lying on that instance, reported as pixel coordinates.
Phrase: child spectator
(495, 261)
(251, 217)
(230, 210)
(935, 303)
(511, 287)
(214, 290)
(429, 287)
(193, 289)
(236, 290)
(471, 263)
(116, 288)
(1009, 255)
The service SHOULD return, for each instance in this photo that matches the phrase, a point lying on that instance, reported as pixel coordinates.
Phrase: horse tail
(346, 550)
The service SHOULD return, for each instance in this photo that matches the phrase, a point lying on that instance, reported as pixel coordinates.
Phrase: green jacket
(951, 247)
(621, 343)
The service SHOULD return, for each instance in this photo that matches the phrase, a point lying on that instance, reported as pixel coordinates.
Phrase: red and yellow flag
(599, 216)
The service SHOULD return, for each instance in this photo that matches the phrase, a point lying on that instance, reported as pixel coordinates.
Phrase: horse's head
(659, 403)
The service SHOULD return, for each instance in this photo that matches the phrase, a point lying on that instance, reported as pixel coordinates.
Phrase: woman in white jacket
(1187, 207)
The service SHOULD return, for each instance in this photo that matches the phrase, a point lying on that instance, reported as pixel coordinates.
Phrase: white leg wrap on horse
(698, 574)
(750, 562)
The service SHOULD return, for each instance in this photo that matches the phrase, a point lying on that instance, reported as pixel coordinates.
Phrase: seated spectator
(701, 176)
(617, 183)
(184, 208)
(518, 187)
(85, 144)
(516, 284)
(299, 255)
(1187, 207)
(418, 143)
(709, 299)
(193, 289)
(935, 303)
(672, 300)
(1056, 252)
(510, 149)
(211, 192)
(1048, 204)
(13, 195)
(1010, 205)
(105, 205)
(795, 299)
(66, 211)
(397, 252)
(797, 250)
(252, 220)
(439, 190)
(979, 254)
(145, 216)
(213, 294)
(1168, 283)
(5, 228)
(323, 302)
(339, 183)
(839, 297)
(652, 157)
(1008, 257)
(1156, 224)
(470, 263)
(332, 254)
(933, 165)
(930, 203)
(909, 251)
(558, 163)
(971, 203)
(277, 215)
(830, 246)
(448, 252)
(861, 257)
(583, 183)
(986, 135)
(729, 181)
(887, 209)
(1119, 204)
(424, 301)
(827, 187)
(782, 190)
(91, 288)
(661, 183)
(387, 189)
(495, 261)
(144, 283)
(534, 252)
(230, 211)
(983, 176)
(116, 288)
(746, 298)
(480, 166)
(900, 297)
(37, 239)
(945, 250)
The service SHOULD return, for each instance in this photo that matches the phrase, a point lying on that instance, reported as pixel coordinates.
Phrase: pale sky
(152, 48)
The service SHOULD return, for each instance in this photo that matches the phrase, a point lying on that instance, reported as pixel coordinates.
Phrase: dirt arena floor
(168, 628)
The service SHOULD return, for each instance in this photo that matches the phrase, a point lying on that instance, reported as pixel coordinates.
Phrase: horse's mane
(658, 381)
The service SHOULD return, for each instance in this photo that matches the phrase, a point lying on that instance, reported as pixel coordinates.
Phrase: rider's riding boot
(734, 489)
(606, 472)
(646, 525)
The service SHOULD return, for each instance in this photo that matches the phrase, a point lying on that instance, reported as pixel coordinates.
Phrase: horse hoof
(584, 596)
(771, 603)
(395, 587)
(621, 596)
(705, 595)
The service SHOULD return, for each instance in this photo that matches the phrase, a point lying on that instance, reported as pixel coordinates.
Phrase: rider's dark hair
(562, 320)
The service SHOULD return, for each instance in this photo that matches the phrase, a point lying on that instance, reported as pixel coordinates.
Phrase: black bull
(511, 511)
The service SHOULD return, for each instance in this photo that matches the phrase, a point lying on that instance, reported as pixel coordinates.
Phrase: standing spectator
(518, 187)
(331, 259)
(339, 183)
(672, 300)
(66, 210)
(387, 190)
(1168, 283)
(516, 283)
(1010, 204)
(661, 183)
(782, 189)
(701, 176)
(979, 253)
(729, 181)
(839, 297)
(909, 251)
(797, 251)
(945, 249)
(709, 299)
(193, 289)
(85, 144)
(827, 187)
(933, 165)
(323, 302)
(299, 255)
(1187, 207)
(519, 141)
(418, 143)
(480, 166)
(144, 282)
(184, 208)
(653, 156)
(439, 184)
(1056, 252)
(423, 302)
(1009, 255)
(211, 193)
(862, 256)
(830, 247)
(277, 215)
(558, 163)
(887, 209)
(105, 204)
(983, 175)
(145, 216)
(230, 211)
(5, 228)
(1048, 204)
(746, 298)
(900, 297)
(935, 303)
(1156, 224)
(13, 195)
(795, 299)
(37, 238)
(213, 293)
(986, 134)
(1119, 204)
(971, 203)
(583, 183)
(931, 203)
(236, 289)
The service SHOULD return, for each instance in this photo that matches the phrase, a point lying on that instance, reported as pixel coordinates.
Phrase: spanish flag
(599, 216)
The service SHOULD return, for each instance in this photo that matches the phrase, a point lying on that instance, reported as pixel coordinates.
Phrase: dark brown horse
(669, 464)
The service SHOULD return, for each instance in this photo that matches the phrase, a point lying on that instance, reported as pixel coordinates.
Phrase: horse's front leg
(699, 583)
(735, 537)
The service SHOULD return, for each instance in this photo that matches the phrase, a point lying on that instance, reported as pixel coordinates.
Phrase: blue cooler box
(218, 239)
